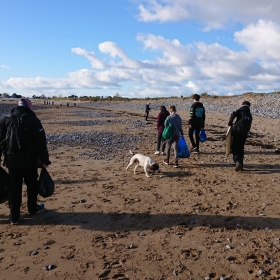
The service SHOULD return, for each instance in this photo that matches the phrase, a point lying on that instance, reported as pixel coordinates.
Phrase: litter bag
(168, 131)
(4, 184)
(46, 184)
(202, 136)
(183, 150)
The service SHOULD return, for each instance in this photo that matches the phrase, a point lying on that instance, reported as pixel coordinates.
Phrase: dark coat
(35, 153)
(161, 119)
(238, 116)
(197, 115)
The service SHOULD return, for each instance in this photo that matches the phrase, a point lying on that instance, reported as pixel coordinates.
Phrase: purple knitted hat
(25, 102)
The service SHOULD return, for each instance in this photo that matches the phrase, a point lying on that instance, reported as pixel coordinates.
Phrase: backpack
(16, 134)
(168, 131)
(244, 123)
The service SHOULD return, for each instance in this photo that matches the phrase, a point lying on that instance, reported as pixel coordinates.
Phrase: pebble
(83, 201)
(142, 233)
(34, 253)
(229, 247)
(49, 267)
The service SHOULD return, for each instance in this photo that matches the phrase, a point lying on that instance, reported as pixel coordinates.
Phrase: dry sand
(200, 220)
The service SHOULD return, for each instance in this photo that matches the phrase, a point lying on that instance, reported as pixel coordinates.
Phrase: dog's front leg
(146, 171)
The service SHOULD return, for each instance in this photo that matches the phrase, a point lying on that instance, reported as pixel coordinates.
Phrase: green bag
(168, 131)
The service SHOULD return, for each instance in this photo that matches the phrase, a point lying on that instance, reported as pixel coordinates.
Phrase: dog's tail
(131, 152)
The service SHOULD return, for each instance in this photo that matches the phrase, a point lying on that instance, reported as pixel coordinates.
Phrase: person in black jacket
(147, 110)
(240, 130)
(22, 161)
(196, 122)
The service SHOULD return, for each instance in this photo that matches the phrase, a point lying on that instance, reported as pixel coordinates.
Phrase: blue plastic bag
(183, 150)
(202, 136)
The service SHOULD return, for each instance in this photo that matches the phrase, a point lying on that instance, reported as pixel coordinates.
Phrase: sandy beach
(202, 220)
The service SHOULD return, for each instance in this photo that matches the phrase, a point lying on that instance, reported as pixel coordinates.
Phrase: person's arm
(232, 117)
(41, 143)
(203, 117)
(192, 110)
(181, 128)
(3, 132)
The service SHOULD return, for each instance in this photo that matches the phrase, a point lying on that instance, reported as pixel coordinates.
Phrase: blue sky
(139, 48)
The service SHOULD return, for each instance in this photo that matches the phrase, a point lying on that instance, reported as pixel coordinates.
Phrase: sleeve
(232, 117)
(191, 114)
(41, 143)
(203, 117)
(3, 131)
(181, 129)
(158, 120)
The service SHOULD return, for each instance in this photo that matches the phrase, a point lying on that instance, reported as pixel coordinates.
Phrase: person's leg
(147, 114)
(168, 144)
(238, 143)
(30, 179)
(15, 193)
(163, 145)
(176, 142)
(197, 133)
(159, 140)
(191, 130)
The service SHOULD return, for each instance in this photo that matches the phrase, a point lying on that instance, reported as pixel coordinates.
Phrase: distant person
(196, 122)
(240, 130)
(163, 114)
(147, 110)
(176, 122)
(23, 143)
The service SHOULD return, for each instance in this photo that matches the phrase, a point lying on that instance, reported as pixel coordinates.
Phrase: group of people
(240, 128)
(23, 144)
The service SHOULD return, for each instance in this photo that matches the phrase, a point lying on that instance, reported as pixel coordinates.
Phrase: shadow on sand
(98, 221)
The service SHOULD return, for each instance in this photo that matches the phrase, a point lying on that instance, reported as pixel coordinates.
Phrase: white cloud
(116, 52)
(213, 15)
(4, 66)
(95, 61)
(262, 39)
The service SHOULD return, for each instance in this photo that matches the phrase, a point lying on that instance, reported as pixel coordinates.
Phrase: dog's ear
(155, 167)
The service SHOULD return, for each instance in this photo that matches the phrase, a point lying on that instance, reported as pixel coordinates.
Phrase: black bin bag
(46, 184)
(4, 184)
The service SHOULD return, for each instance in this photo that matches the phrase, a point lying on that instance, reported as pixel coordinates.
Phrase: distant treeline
(117, 97)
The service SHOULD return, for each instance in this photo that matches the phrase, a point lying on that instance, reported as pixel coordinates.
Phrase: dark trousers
(237, 147)
(159, 140)
(16, 177)
(147, 114)
(197, 130)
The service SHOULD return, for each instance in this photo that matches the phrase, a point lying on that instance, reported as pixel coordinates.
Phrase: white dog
(144, 161)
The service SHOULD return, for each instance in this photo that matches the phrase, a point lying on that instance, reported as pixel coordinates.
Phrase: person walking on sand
(196, 122)
(147, 110)
(23, 143)
(163, 114)
(240, 130)
(176, 122)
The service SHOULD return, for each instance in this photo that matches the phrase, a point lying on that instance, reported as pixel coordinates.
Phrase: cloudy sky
(139, 48)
